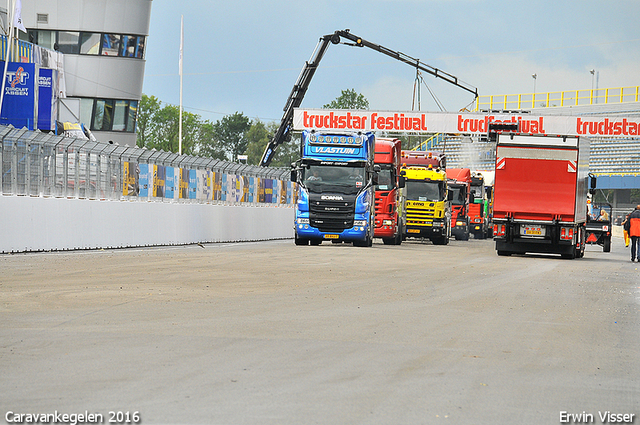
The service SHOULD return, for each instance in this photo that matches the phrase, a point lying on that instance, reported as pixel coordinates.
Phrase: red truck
(459, 183)
(540, 194)
(389, 225)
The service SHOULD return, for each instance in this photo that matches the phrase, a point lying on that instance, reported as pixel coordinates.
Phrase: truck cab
(479, 208)
(426, 209)
(459, 182)
(336, 180)
(389, 223)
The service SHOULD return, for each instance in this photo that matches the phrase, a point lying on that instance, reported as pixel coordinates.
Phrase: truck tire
(389, 241)
(315, 241)
(300, 241)
(607, 245)
(361, 243)
(505, 253)
(398, 239)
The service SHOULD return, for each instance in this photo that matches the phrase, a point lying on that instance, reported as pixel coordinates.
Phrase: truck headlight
(359, 223)
(387, 222)
(303, 221)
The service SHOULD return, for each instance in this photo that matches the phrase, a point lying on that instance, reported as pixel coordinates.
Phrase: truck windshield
(477, 191)
(385, 178)
(458, 193)
(424, 190)
(332, 178)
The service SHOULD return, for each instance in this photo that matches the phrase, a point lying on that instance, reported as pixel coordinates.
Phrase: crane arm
(283, 133)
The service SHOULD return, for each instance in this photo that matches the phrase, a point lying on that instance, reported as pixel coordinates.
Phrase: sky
(246, 55)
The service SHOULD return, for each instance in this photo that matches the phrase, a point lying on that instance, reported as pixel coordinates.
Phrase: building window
(114, 115)
(69, 42)
(140, 48)
(46, 39)
(111, 44)
(90, 43)
(102, 115)
(119, 115)
(132, 116)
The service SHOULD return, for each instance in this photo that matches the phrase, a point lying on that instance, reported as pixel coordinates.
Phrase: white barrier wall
(42, 224)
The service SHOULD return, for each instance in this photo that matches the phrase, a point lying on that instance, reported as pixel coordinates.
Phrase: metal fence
(41, 164)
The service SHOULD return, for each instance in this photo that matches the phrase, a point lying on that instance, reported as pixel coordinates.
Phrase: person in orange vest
(634, 232)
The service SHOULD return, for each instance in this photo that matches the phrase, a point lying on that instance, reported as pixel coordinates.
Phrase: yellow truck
(426, 208)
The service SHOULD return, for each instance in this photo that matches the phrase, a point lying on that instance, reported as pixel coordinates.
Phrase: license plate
(413, 230)
(532, 230)
(331, 236)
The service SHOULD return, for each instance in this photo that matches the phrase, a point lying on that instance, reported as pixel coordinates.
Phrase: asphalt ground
(271, 333)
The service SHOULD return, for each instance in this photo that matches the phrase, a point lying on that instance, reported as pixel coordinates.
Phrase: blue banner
(143, 180)
(47, 99)
(169, 182)
(20, 96)
(192, 184)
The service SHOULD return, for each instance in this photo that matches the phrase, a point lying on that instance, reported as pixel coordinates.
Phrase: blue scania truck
(336, 188)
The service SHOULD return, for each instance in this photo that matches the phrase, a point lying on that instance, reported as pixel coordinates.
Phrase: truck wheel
(366, 242)
(505, 253)
(398, 239)
(442, 240)
(300, 241)
(388, 241)
(315, 241)
(607, 245)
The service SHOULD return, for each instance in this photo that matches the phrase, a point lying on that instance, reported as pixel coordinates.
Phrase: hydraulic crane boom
(304, 79)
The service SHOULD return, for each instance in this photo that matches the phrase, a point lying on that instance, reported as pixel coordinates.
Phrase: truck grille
(420, 216)
(331, 216)
(379, 202)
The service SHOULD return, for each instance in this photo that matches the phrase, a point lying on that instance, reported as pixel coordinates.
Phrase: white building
(103, 42)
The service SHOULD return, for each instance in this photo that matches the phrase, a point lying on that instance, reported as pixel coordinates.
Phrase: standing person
(634, 232)
(625, 229)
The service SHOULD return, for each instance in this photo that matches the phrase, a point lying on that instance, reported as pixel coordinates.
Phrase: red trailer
(389, 224)
(540, 194)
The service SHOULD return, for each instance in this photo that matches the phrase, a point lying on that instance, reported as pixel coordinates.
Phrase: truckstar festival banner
(467, 122)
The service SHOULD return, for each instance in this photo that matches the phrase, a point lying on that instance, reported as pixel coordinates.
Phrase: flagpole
(181, 47)
(10, 13)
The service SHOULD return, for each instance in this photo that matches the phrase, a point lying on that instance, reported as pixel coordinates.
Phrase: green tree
(258, 137)
(208, 145)
(229, 137)
(158, 127)
(349, 99)
(287, 152)
(145, 125)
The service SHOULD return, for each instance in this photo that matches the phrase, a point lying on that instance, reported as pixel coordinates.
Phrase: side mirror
(376, 168)
(472, 198)
(294, 175)
(374, 175)
(593, 183)
(449, 195)
(401, 181)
